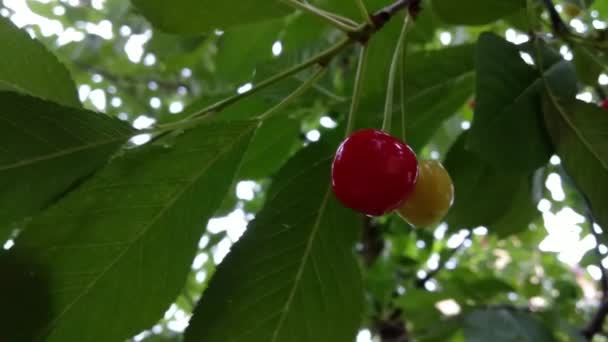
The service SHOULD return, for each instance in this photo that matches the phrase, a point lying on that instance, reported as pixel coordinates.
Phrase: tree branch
(597, 322)
(559, 27)
(362, 34)
(392, 328)
(384, 15)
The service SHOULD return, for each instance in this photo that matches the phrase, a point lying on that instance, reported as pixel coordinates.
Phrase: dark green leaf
(483, 194)
(25, 297)
(197, 16)
(508, 131)
(473, 287)
(590, 258)
(501, 325)
(45, 148)
(118, 249)
(521, 212)
(437, 84)
(419, 307)
(578, 132)
(475, 12)
(293, 276)
(28, 67)
(272, 144)
(242, 48)
(589, 64)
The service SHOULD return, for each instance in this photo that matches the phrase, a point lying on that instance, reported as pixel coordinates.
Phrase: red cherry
(604, 104)
(373, 172)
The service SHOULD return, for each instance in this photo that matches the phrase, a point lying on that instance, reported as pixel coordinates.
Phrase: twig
(559, 27)
(392, 328)
(372, 241)
(381, 17)
(604, 273)
(442, 262)
(364, 12)
(597, 322)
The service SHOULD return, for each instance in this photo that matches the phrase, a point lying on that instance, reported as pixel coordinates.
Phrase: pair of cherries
(375, 173)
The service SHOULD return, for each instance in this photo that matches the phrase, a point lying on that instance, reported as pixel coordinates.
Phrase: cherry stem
(338, 17)
(330, 19)
(402, 92)
(359, 77)
(294, 95)
(390, 91)
(365, 13)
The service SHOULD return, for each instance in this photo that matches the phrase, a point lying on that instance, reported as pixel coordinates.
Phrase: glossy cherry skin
(373, 172)
(604, 104)
(432, 197)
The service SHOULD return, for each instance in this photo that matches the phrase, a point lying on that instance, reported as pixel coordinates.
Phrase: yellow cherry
(432, 196)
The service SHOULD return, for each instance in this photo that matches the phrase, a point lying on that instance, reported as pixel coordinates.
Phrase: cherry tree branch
(362, 34)
(559, 26)
(597, 322)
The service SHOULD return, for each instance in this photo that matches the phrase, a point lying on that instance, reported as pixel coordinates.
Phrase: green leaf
(589, 64)
(591, 257)
(242, 48)
(475, 12)
(437, 84)
(273, 143)
(24, 294)
(578, 132)
(483, 194)
(29, 68)
(502, 325)
(470, 286)
(118, 249)
(293, 276)
(45, 149)
(419, 306)
(199, 16)
(601, 7)
(508, 130)
(522, 211)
